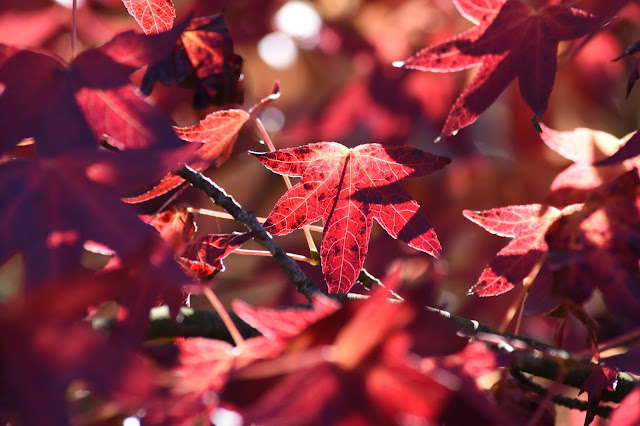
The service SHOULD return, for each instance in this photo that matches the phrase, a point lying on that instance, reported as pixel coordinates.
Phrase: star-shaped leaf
(527, 226)
(511, 40)
(217, 132)
(347, 189)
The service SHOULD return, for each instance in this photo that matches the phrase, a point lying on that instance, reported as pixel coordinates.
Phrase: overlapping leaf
(511, 40)
(52, 206)
(217, 132)
(43, 341)
(347, 189)
(204, 257)
(205, 364)
(585, 147)
(597, 248)
(67, 106)
(153, 16)
(351, 368)
(527, 226)
(202, 59)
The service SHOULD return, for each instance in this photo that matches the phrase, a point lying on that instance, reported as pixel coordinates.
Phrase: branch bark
(218, 195)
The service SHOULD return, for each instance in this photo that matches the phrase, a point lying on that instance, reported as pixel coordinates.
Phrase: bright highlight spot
(224, 417)
(273, 119)
(299, 20)
(278, 50)
(131, 421)
(69, 3)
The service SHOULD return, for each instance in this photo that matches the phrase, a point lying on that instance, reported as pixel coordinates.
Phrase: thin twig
(304, 285)
(223, 215)
(74, 37)
(224, 315)
(312, 245)
(265, 253)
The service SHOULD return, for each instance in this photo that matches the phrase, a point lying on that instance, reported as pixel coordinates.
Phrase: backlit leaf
(347, 189)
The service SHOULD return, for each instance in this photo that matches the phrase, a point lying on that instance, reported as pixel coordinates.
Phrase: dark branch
(575, 404)
(304, 285)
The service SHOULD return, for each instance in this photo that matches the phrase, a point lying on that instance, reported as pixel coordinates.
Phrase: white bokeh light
(224, 417)
(273, 119)
(69, 3)
(131, 421)
(299, 20)
(278, 50)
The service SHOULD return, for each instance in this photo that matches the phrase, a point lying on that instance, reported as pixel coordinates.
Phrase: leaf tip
(470, 214)
(535, 123)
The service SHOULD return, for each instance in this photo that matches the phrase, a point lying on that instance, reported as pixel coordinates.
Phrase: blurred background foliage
(333, 60)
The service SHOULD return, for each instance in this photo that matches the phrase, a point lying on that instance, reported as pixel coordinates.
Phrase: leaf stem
(224, 315)
(312, 245)
(275, 94)
(74, 47)
(223, 215)
(265, 253)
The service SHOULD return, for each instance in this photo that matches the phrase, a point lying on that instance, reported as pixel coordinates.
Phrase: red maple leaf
(204, 257)
(204, 364)
(597, 247)
(527, 226)
(52, 206)
(347, 189)
(176, 226)
(67, 106)
(352, 367)
(285, 323)
(153, 16)
(203, 59)
(217, 132)
(511, 40)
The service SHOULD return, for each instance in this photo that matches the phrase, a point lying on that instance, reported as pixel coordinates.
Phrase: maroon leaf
(52, 206)
(628, 412)
(67, 106)
(596, 247)
(176, 226)
(347, 189)
(203, 59)
(351, 368)
(581, 145)
(511, 40)
(601, 379)
(284, 323)
(43, 340)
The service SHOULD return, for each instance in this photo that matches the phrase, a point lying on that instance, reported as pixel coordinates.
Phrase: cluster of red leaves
(63, 218)
(367, 362)
(584, 237)
(511, 39)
